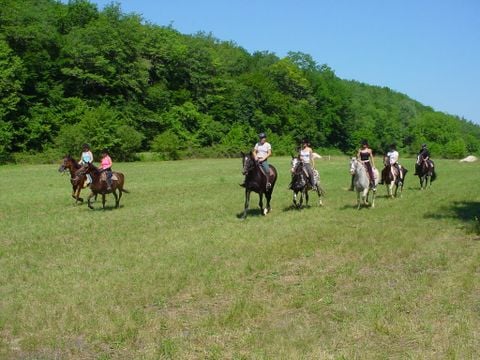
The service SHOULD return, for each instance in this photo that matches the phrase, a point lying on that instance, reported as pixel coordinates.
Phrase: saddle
(103, 176)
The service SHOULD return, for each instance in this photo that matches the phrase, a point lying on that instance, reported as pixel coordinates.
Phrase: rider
(106, 166)
(86, 158)
(306, 156)
(392, 156)
(423, 155)
(365, 155)
(261, 152)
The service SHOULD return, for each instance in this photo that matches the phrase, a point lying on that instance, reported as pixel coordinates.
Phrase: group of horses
(256, 181)
(98, 184)
(394, 179)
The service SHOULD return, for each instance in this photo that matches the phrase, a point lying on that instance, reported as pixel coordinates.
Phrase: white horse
(361, 182)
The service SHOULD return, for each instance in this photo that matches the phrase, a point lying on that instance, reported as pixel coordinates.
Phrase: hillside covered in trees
(71, 73)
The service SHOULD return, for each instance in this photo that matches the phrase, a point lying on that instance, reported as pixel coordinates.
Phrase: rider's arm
(371, 158)
(269, 152)
(254, 152)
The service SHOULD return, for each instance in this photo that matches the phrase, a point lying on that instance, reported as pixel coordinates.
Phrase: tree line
(72, 74)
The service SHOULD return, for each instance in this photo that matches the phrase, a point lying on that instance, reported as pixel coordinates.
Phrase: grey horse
(361, 183)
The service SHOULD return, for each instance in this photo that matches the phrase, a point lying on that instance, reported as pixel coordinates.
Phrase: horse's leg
(268, 196)
(260, 203)
(103, 200)
(319, 193)
(247, 203)
(358, 199)
(117, 200)
(374, 192)
(306, 197)
(88, 199)
(294, 199)
(120, 193)
(77, 194)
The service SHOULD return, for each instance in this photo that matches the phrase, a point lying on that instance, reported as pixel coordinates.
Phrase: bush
(167, 145)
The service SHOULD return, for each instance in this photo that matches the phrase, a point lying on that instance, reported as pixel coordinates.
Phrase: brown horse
(77, 182)
(390, 181)
(255, 180)
(99, 184)
(301, 184)
(426, 173)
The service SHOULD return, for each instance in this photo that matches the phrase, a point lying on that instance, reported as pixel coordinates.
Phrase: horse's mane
(72, 159)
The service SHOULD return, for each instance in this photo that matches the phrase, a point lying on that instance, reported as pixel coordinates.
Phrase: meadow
(175, 274)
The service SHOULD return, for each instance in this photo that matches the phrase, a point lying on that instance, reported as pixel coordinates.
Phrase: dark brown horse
(393, 181)
(77, 182)
(256, 181)
(426, 173)
(99, 184)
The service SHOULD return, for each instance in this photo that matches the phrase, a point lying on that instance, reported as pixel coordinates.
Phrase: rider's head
(424, 146)
(393, 147)
(85, 147)
(105, 152)
(262, 136)
(305, 142)
(364, 143)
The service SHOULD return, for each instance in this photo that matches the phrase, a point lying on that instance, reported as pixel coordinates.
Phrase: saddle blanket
(103, 176)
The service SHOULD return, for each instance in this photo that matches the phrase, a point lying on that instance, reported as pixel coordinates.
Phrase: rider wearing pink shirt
(106, 165)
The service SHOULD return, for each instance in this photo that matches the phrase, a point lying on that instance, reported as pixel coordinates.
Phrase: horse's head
(386, 160)
(248, 162)
(294, 164)
(353, 165)
(67, 163)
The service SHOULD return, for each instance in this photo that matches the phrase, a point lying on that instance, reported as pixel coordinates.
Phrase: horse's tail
(125, 191)
(434, 175)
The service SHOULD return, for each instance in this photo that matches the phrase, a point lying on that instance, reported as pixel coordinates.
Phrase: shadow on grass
(463, 210)
(250, 212)
(297, 208)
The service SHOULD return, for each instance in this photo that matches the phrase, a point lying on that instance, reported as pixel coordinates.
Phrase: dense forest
(72, 73)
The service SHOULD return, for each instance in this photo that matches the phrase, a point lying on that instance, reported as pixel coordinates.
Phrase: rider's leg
(399, 168)
(370, 174)
(109, 180)
(266, 168)
(311, 176)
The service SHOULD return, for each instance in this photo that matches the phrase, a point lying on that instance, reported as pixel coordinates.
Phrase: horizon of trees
(72, 74)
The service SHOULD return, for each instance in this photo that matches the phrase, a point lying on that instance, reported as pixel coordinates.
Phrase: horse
(256, 181)
(426, 173)
(361, 182)
(77, 181)
(99, 184)
(301, 184)
(393, 181)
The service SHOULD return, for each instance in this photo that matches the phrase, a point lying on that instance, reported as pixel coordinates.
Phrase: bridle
(248, 164)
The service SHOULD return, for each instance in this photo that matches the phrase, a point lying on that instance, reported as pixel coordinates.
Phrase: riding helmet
(262, 135)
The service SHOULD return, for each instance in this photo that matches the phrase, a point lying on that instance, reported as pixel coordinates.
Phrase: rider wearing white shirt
(262, 151)
(393, 160)
(306, 156)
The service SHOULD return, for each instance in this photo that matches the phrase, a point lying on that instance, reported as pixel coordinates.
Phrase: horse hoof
(265, 212)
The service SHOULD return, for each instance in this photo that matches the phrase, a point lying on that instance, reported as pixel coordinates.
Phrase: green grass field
(174, 274)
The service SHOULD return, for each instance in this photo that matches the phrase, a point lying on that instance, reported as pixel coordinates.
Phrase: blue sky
(427, 49)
